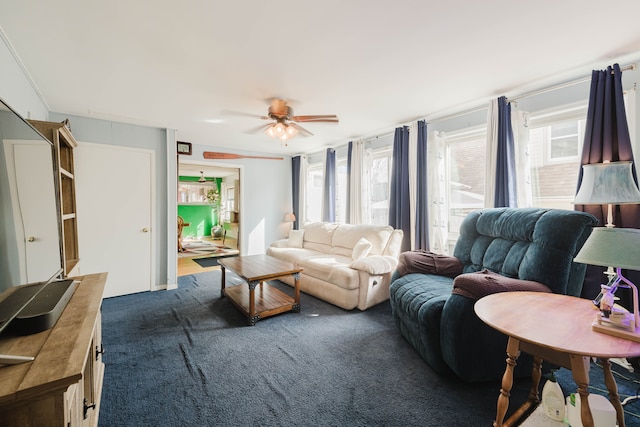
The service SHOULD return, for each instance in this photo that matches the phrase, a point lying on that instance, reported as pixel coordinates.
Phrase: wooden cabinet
(63, 385)
(64, 143)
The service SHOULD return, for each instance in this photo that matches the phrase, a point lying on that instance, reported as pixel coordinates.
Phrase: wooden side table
(556, 328)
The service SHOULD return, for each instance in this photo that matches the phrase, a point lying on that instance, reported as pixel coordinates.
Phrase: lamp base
(620, 330)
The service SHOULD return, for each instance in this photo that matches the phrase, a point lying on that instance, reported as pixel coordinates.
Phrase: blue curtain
(422, 205)
(399, 211)
(505, 186)
(607, 138)
(348, 207)
(329, 194)
(295, 188)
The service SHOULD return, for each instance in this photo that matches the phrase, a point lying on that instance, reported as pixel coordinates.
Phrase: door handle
(31, 239)
(145, 230)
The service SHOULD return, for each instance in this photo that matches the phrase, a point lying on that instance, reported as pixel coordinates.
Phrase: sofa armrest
(482, 283)
(282, 243)
(375, 265)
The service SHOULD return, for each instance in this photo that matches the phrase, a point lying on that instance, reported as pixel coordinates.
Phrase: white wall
(16, 87)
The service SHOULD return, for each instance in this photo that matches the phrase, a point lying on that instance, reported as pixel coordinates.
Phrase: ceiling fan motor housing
(280, 110)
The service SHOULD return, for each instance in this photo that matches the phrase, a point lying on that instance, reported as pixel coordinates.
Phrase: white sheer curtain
(519, 123)
(437, 196)
(492, 154)
(630, 110)
(413, 173)
(359, 184)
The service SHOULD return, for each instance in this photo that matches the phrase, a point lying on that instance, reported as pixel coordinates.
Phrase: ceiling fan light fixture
(279, 128)
(269, 131)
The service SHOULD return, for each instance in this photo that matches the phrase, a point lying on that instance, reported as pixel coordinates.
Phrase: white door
(38, 238)
(114, 206)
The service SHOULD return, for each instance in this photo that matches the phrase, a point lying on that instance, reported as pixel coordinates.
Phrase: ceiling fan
(285, 124)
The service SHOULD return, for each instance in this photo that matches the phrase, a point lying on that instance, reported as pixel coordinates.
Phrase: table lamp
(609, 183)
(620, 248)
(290, 218)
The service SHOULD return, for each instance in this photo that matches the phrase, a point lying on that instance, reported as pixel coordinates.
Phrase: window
(555, 144)
(230, 203)
(313, 193)
(379, 184)
(194, 192)
(465, 165)
(564, 140)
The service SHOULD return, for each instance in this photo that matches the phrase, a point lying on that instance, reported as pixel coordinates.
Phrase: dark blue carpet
(186, 357)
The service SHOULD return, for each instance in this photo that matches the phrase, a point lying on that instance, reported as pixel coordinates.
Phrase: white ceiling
(376, 64)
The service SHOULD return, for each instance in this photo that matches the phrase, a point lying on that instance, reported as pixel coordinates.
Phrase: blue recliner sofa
(532, 245)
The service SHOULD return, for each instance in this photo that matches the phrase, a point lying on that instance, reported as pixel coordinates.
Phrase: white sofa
(346, 265)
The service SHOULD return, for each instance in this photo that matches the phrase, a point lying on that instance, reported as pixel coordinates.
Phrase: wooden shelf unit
(64, 143)
(63, 385)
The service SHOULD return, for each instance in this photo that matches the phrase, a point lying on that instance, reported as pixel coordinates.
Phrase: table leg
(580, 370)
(222, 284)
(296, 283)
(536, 374)
(252, 302)
(513, 352)
(614, 398)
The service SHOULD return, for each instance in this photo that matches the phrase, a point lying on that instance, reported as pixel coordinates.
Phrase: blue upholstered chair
(528, 244)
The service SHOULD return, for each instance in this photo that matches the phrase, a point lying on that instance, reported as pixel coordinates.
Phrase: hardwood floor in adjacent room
(187, 265)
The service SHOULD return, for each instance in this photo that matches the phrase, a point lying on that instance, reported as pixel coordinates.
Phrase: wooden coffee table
(556, 328)
(258, 300)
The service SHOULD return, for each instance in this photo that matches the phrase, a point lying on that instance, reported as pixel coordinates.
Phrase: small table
(256, 270)
(556, 328)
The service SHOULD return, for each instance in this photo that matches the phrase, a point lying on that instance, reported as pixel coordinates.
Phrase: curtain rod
(525, 95)
(566, 84)
(484, 107)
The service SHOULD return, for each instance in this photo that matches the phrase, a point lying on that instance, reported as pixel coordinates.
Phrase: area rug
(192, 248)
(210, 261)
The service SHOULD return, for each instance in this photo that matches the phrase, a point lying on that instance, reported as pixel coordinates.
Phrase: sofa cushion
(288, 254)
(361, 249)
(347, 235)
(295, 238)
(331, 268)
(485, 282)
(394, 244)
(515, 242)
(319, 232)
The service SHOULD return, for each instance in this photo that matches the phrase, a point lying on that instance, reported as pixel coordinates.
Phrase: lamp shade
(607, 183)
(617, 247)
(290, 217)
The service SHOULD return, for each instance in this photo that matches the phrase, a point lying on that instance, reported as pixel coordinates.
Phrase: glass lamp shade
(269, 131)
(290, 217)
(618, 247)
(607, 183)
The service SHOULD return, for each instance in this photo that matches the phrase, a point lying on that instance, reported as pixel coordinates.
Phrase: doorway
(208, 214)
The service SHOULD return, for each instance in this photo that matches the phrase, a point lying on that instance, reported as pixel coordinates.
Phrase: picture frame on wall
(184, 148)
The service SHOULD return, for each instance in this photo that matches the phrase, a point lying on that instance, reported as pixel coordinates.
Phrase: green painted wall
(200, 217)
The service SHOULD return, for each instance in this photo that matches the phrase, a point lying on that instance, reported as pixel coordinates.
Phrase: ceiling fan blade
(327, 118)
(258, 129)
(242, 114)
(303, 131)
